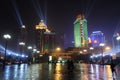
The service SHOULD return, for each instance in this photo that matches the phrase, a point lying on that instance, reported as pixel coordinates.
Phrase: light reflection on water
(45, 71)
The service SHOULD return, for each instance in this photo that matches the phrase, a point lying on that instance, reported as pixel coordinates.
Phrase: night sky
(59, 15)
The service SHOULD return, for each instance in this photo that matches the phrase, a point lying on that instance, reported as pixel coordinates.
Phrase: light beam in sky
(17, 13)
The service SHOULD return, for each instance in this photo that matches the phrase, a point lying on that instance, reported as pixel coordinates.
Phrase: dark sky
(101, 15)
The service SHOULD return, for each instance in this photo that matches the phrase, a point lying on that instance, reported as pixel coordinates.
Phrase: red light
(90, 41)
(95, 41)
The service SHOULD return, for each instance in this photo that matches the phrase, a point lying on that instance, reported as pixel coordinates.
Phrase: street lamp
(107, 48)
(22, 44)
(30, 57)
(58, 49)
(91, 49)
(102, 45)
(7, 37)
(91, 53)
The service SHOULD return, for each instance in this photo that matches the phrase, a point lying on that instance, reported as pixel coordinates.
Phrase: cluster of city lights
(9, 52)
(111, 53)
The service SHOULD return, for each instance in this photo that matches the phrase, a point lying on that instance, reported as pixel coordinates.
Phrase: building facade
(97, 37)
(45, 39)
(80, 31)
(49, 42)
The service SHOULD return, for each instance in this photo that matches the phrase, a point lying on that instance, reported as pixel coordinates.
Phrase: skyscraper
(45, 39)
(40, 29)
(49, 41)
(97, 37)
(80, 31)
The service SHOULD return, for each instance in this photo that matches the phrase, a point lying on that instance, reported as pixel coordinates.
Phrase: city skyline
(59, 16)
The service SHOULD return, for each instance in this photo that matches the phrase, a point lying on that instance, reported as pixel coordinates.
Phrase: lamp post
(22, 44)
(30, 54)
(7, 37)
(91, 49)
(102, 45)
(91, 53)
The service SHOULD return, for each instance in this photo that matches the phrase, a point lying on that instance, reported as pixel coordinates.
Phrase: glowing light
(9, 51)
(38, 51)
(22, 43)
(102, 44)
(58, 49)
(26, 56)
(7, 36)
(16, 54)
(41, 25)
(91, 48)
(23, 55)
(118, 38)
(91, 56)
(95, 41)
(50, 58)
(96, 56)
(39, 10)
(90, 41)
(40, 55)
(47, 30)
(34, 50)
(17, 13)
(85, 50)
(107, 48)
(59, 58)
(81, 52)
(1, 57)
(23, 26)
(29, 47)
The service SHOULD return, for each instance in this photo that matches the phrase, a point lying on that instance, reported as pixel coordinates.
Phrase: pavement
(45, 71)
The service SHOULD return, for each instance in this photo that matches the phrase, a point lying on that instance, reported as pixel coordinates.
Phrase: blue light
(23, 55)
(26, 56)
(17, 13)
(9, 52)
(96, 56)
(91, 56)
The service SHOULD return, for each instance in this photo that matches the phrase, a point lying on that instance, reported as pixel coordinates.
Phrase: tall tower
(80, 31)
(40, 29)
(49, 41)
(45, 39)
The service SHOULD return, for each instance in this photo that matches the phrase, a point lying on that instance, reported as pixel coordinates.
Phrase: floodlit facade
(97, 37)
(80, 31)
(49, 42)
(45, 39)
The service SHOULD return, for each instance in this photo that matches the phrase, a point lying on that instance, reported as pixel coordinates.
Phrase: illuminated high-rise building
(49, 41)
(45, 39)
(97, 37)
(40, 29)
(80, 31)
